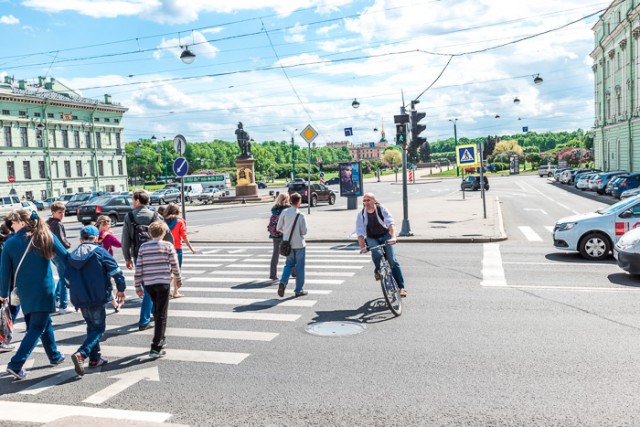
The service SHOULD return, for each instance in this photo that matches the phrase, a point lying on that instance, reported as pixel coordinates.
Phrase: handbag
(285, 246)
(15, 297)
(6, 324)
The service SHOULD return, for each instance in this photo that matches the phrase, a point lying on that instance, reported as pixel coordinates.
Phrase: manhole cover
(336, 329)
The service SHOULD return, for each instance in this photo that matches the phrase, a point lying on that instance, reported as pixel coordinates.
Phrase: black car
(472, 182)
(79, 199)
(261, 184)
(319, 193)
(115, 207)
(333, 181)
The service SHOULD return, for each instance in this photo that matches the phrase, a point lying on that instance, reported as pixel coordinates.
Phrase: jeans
(160, 296)
(295, 260)
(390, 255)
(96, 318)
(179, 253)
(39, 327)
(146, 307)
(275, 255)
(14, 310)
(62, 292)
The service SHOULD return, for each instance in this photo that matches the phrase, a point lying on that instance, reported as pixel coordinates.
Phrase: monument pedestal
(245, 175)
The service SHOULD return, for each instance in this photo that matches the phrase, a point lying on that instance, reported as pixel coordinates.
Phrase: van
(546, 170)
(192, 191)
(8, 204)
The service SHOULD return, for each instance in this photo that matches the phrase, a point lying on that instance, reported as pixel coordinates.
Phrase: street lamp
(187, 56)
(516, 100)
(293, 159)
(164, 155)
(455, 141)
(355, 103)
(537, 79)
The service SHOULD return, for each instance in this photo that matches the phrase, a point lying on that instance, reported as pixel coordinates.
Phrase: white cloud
(9, 20)
(296, 33)
(327, 29)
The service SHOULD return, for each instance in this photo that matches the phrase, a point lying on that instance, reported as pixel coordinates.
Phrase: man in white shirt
(286, 223)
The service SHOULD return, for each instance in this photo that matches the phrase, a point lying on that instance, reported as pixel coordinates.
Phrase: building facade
(368, 150)
(54, 142)
(616, 59)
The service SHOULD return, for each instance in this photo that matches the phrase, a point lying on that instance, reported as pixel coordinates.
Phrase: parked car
(39, 204)
(472, 182)
(627, 251)
(48, 201)
(628, 182)
(613, 182)
(558, 173)
(594, 234)
(209, 195)
(166, 195)
(79, 199)
(8, 204)
(192, 191)
(582, 180)
(630, 193)
(332, 181)
(261, 184)
(599, 183)
(319, 193)
(115, 207)
(29, 206)
(65, 198)
(546, 170)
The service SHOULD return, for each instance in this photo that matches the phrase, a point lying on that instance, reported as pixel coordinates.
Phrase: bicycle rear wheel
(391, 292)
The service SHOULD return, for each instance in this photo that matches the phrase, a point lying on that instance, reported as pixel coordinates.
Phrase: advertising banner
(350, 179)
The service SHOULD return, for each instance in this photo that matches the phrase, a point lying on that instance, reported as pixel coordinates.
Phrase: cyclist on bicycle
(375, 225)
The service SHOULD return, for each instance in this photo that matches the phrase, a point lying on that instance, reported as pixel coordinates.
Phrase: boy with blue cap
(88, 277)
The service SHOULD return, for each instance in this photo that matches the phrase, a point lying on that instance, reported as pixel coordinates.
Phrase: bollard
(244, 202)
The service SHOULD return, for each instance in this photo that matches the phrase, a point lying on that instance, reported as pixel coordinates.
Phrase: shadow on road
(374, 311)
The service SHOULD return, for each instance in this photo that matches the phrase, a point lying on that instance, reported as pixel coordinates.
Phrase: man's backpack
(140, 233)
(273, 223)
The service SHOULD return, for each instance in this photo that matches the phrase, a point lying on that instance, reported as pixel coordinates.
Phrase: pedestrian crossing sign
(467, 155)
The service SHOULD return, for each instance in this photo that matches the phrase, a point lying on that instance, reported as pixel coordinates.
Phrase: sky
(278, 66)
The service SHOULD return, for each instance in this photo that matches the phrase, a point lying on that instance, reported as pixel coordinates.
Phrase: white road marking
(27, 365)
(61, 376)
(185, 332)
(549, 228)
(306, 273)
(268, 290)
(568, 288)
(333, 260)
(237, 315)
(531, 235)
(27, 412)
(125, 380)
(492, 269)
(307, 265)
(540, 210)
(258, 279)
(273, 302)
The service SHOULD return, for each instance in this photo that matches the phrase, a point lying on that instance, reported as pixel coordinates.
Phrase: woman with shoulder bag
(281, 203)
(26, 259)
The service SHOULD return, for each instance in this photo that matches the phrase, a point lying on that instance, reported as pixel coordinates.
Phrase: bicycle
(390, 289)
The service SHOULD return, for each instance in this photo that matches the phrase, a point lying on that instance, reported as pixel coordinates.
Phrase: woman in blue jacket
(26, 257)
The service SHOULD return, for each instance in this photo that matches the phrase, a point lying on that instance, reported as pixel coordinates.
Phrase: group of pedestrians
(34, 244)
(374, 226)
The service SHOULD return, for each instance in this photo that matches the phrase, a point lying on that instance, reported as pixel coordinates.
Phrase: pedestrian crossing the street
(228, 298)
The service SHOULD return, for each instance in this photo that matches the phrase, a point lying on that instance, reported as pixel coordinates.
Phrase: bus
(221, 181)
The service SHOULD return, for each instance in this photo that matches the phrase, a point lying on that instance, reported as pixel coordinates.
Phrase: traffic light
(401, 134)
(416, 128)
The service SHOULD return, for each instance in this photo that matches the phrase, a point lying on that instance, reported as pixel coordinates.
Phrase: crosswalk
(543, 233)
(228, 298)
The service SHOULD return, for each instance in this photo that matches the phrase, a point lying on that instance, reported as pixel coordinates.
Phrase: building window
(11, 169)
(22, 113)
(37, 115)
(54, 167)
(116, 120)
(67, 169)
(118, 143)
(96, 119)
(26, 168)
(39, 137)
(24, 139)
(6, 112)
(50, 115)
(107, 120)
(74, 117)
(120, 172)
(65, 138)
(87, 139)
(76, 138)
(7, 136)
(98, 140)
(79, 167)
(100, 168)
(29, 195)
(41, 169)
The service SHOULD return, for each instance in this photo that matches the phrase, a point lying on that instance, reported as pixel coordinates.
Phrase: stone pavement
(437, 219)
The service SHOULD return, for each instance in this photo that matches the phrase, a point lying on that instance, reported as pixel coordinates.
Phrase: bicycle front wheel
(391, 293)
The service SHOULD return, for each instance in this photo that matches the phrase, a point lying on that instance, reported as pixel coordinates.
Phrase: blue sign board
(321, 174)
(525, 129)
(180, 166)
(348, 131)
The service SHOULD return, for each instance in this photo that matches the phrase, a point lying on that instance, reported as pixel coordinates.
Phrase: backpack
(378, 211)
(273, 223)
(140, 232)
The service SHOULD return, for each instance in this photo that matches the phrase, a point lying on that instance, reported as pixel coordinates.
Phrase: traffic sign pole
(180, 168)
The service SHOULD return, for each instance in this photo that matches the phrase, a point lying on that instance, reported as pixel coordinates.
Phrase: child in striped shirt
(157, 262)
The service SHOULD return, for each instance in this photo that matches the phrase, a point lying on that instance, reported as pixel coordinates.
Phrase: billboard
(350, 179)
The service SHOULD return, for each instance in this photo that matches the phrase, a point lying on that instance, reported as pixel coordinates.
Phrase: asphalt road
(554, 342)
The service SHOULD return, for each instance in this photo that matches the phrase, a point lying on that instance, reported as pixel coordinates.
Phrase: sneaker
(302, 293)
(99, 362)
(19, 375)
(78, 363)
(65, 310)
(58, 362)
(281, 288)
(145, 327)
(156, 354)
(7, 347)
(403, 293)
(377, 275)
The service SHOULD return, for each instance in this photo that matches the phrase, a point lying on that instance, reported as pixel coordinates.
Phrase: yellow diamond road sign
(309, 134)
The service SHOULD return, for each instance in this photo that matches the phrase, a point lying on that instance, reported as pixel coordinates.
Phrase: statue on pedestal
(244, 142)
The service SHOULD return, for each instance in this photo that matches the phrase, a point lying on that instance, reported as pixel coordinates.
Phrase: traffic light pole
(406, 226)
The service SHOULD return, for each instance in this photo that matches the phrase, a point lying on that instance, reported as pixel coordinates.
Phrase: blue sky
(278, 65)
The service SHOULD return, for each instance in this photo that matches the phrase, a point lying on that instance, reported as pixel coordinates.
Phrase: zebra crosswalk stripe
(257, 279)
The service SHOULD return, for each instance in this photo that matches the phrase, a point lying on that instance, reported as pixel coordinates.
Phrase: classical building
(616, 60)
(368, 150)
(53, 141)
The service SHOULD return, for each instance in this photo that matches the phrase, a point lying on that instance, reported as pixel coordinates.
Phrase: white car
(209, 195)
(29, 206)
(594, 234)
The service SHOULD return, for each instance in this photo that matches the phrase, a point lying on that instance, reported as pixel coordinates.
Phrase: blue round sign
(321, 174)
(180, 166)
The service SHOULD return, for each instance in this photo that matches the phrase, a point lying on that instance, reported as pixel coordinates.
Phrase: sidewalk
(445, 218)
